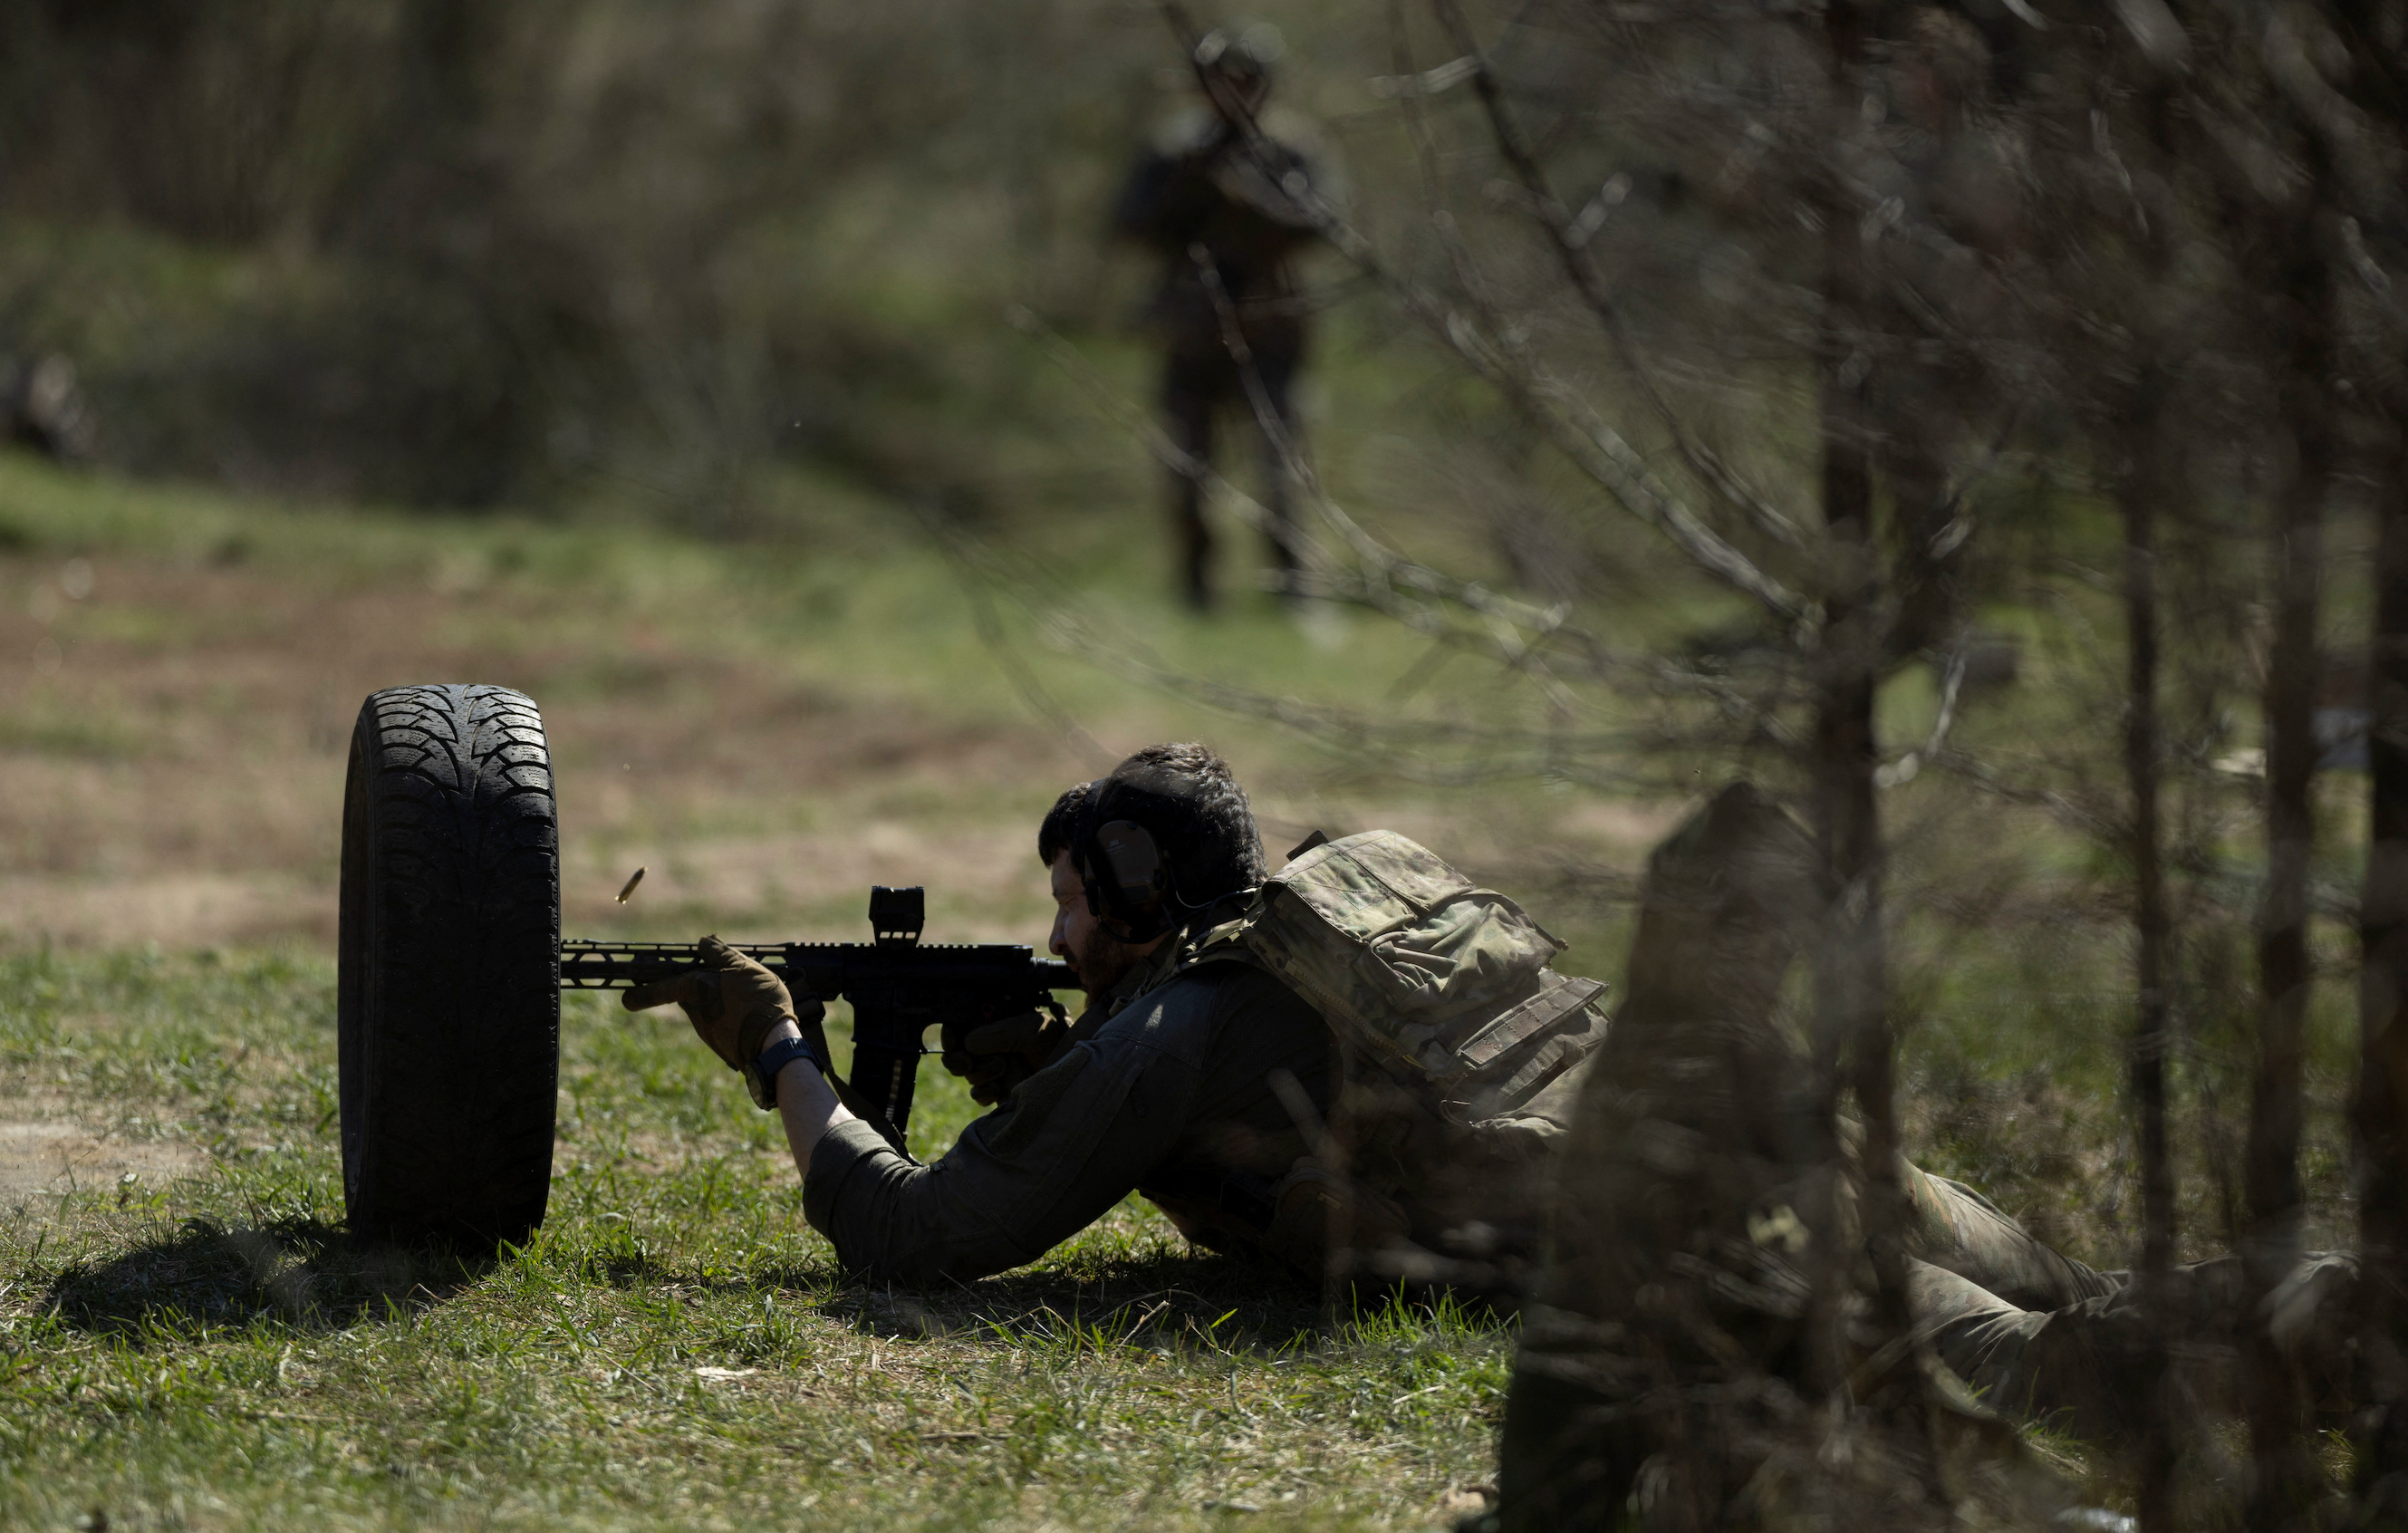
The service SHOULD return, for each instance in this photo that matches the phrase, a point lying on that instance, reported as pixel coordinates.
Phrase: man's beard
(1102, 961)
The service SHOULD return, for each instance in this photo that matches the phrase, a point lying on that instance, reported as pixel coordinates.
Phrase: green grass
(674, 1347)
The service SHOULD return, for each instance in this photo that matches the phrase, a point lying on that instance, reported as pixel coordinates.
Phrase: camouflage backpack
(1458, 1047)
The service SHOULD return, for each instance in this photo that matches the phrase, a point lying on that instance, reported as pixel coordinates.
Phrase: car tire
(448, 1012)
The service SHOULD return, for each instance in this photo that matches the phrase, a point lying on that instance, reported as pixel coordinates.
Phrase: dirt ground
(173, 737)
(45, 1149)
(177, 775)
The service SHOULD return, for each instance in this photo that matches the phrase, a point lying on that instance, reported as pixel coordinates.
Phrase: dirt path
(44, 1149)
(174, 770)
(173, 738)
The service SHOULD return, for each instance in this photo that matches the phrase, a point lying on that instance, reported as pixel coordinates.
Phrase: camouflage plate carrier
(1457, 1056)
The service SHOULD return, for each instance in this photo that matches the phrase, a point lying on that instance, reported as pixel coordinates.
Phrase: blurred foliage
(460, 254)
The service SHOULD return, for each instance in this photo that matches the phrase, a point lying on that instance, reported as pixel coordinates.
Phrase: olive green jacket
(1168, 1093)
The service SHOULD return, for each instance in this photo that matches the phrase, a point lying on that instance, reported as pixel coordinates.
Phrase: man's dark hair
(1185, 797)
(1061, 826)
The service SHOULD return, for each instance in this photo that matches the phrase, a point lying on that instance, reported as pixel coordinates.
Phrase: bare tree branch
(1571, 238)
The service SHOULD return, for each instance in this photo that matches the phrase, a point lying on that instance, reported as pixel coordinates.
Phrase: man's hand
(734, 1003)
(996, 1057)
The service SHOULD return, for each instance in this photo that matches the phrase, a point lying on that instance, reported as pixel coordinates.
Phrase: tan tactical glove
(733, 1002)
(994, 1058)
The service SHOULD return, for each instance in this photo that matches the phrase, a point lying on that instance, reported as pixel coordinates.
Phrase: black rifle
(899, 988)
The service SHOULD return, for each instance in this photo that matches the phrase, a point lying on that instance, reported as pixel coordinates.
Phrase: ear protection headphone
(1127, 878)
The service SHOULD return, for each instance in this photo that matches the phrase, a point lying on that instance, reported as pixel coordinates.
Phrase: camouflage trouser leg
(2033, 1331)
(1960, 1231)
(2065, 1362)
(2084, 1362)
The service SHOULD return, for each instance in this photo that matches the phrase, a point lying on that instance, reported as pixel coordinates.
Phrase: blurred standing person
(1203, 199)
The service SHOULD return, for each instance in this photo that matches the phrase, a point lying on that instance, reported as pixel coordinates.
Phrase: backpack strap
(1224, 943)
(1558, 996)
(1224, 938)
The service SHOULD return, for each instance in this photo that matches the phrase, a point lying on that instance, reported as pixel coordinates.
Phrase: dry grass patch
(769, 729)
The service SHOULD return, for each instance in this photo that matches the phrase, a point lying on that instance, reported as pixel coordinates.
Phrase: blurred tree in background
(459, 253)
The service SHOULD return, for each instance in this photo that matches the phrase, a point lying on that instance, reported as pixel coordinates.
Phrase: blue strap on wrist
(761, 1076)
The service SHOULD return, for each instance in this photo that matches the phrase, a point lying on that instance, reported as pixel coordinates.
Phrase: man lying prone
(1163, 1085)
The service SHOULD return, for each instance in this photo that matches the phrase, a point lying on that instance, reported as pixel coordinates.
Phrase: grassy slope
(831, 677)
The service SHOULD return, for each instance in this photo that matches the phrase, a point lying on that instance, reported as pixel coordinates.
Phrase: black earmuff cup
(1127, 878)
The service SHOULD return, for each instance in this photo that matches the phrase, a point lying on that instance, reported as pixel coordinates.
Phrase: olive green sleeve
(1073, 1141)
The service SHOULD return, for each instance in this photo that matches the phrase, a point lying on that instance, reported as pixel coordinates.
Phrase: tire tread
(451, 948)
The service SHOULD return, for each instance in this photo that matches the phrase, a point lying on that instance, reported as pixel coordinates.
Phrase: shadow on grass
(1169, 1300)
(297, 1273)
